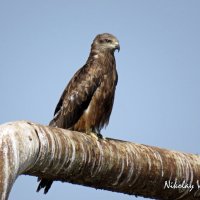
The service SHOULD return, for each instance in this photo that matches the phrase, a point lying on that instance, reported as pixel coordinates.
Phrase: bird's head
(106, 42)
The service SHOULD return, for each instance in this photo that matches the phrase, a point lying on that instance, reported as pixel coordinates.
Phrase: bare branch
(28, 148)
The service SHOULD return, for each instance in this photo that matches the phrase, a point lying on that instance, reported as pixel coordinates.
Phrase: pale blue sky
(43, 43)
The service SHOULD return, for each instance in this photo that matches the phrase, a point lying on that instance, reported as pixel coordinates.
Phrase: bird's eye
(108, 41)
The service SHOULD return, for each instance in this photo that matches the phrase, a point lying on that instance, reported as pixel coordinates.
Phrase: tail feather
(44, 183)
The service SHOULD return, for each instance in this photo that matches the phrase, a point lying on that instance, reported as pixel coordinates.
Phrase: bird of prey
(87, 101)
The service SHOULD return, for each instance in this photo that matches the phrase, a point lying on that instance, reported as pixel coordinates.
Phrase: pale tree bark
(28, 148)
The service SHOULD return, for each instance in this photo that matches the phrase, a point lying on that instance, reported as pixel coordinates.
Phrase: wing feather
(76, 97)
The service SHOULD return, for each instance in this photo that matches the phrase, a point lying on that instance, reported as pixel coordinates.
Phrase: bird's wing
(76, 97)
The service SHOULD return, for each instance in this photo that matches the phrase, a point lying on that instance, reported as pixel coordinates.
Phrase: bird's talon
(99, 135)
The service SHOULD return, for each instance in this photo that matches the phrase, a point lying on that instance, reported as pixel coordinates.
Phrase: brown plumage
(87, 101)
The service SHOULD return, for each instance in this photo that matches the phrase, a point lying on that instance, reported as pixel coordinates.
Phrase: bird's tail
(44, 183)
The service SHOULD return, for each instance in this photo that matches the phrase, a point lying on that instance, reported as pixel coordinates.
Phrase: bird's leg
(93, 132)
(99, 135)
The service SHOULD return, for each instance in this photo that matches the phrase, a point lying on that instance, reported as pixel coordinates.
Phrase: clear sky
(43, 43)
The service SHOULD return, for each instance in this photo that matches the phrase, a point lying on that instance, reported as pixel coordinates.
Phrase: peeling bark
(114, 165)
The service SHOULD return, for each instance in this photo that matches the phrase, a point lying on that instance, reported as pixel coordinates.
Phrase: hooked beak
(117, 47)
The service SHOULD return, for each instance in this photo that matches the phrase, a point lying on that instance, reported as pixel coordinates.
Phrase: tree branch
(28, 148)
